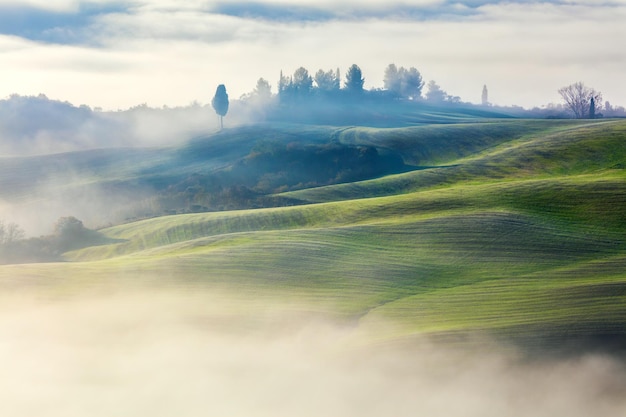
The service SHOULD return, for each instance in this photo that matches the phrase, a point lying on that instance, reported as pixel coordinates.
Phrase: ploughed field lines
(487, 270)
(520, 229)
(513, 151)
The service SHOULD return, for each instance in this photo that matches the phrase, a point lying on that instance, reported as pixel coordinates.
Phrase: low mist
(196, 353)
(36, 125)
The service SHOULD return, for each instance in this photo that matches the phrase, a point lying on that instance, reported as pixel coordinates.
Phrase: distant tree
(68, 227)
(392, 81)
(402, 82)
(412, 83)
(435, 93)
(327, 80)
(10, 233)
(220, 103)
(613, 111)
(592, 108)
(302, 82)
(578, 97)
(485, 96)
(354, 79)
(263, 89)
(283, 83)
(70, 233)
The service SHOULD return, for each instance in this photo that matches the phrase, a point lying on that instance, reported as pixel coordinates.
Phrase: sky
(119, 54)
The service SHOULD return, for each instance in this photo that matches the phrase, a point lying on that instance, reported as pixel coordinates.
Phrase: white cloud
(56, 5)
(161, 53)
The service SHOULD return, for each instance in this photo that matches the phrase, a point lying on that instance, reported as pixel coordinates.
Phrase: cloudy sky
(117, 54)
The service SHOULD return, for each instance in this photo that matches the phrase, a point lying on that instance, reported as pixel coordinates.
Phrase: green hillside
(511, 228)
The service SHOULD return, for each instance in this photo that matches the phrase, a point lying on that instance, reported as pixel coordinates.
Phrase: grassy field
(512, 228)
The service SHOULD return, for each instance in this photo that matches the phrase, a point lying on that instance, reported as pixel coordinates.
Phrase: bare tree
(10, 233)
(578, 99)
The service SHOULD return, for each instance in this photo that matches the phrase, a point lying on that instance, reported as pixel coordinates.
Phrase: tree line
(584, 102)
(399, 83)
(69, 234)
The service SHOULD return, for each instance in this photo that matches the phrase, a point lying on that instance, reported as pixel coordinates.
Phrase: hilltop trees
(263, 90)
(403, 83)
(393, 81)
(578, 98)
(299, 85)
(220, 103)
(437, 95)
(412, 83)
(354, 79)
(400, 82)
(327, 81)
(302, 82)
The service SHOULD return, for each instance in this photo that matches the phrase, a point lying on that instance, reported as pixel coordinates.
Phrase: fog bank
(35, 125)
(163, 354)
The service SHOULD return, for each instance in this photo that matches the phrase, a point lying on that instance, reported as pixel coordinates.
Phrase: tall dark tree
(592, 108)
(485, 96)
(220, 103)
(283, 84)
(354, 79)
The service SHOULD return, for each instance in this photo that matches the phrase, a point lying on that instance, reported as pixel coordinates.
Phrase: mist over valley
(212, 209)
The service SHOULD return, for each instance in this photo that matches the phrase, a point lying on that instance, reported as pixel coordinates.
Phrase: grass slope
(521, 234)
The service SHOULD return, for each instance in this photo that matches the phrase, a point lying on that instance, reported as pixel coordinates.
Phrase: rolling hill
(510, 228)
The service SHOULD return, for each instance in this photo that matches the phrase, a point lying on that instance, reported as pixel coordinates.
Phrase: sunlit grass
(522, 229)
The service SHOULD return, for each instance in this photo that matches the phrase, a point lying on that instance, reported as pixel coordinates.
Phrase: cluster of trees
(583, 101)
(403, 83)
(586, 103)
(301, 84)
(69, 233)
(273, 167)
(399, 82)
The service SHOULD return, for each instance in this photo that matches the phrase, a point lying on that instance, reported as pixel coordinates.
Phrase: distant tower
(485, 97)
